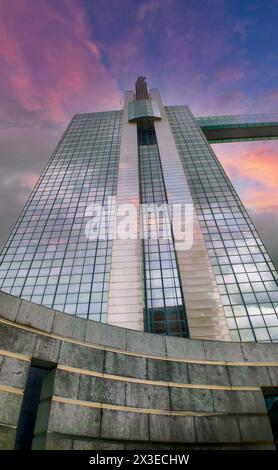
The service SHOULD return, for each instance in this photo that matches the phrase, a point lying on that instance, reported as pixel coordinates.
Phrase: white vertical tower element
(125, 302)
(204, 309)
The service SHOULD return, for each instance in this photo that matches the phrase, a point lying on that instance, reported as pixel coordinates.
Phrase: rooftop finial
(141, 89)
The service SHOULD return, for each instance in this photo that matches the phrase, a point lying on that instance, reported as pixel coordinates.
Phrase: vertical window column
(164, 305)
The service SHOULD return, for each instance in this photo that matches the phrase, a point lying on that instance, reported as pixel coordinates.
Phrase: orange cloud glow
(253, 169)
(52, 67)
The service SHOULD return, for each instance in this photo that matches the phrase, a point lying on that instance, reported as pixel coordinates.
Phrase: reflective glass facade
(164, 305)
(221, 287)
(47, 258)
(246, 277)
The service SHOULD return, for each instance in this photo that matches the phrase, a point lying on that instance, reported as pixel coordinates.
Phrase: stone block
(36, 316)
(147, 396)
(125, 365)
(14, 372)
(249, 376)
(234, 401)
(184, 348)
(69, 326)
(82, 357)
(159, 370)
(105, 335)
(148, 446)
(66, 384)
(273, 373)
(255, 428)
(146, 343)
(223, 351)
(179, 372)
(190, 399)
(97, 445)
(260, 402)
(216, 429)
(49, 442)
(10, 404)
(74, 420)
(47, 349)
(124, 425)
(171, 429)
(58, 443)
(207, 374)
(9, 306)
(7, 438)
(100, 390)
(260, 352)
(15, 340)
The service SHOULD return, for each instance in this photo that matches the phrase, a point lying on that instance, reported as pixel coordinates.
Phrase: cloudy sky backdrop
(60, 57)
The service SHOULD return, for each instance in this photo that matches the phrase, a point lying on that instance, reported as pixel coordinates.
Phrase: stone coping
(19, 312)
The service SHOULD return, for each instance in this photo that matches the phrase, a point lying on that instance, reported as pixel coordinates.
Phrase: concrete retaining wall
(113, 388)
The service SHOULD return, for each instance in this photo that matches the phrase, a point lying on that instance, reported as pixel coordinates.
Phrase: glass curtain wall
(246, 277)
(47, 258)
(164, 304)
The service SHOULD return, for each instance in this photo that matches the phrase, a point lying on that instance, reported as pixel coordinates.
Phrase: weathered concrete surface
(113, 388)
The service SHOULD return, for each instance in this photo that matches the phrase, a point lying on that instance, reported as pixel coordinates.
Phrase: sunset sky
(60, 57)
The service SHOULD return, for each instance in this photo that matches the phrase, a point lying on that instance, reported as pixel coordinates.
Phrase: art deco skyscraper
(223, 287)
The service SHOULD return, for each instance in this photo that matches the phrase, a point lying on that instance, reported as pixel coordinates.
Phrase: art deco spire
(141, 89)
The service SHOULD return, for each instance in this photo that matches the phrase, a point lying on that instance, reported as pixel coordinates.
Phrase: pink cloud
(253, 168)
(29, 181)
(51, 65)
(21, 183)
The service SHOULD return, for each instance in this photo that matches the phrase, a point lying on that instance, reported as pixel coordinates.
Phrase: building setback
(223, 287)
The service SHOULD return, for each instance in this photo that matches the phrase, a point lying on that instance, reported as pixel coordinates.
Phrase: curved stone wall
(113, 388)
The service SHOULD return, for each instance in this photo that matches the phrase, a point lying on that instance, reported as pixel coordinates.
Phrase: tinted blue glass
(244, 272)
(47, 258)
(164, 305)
